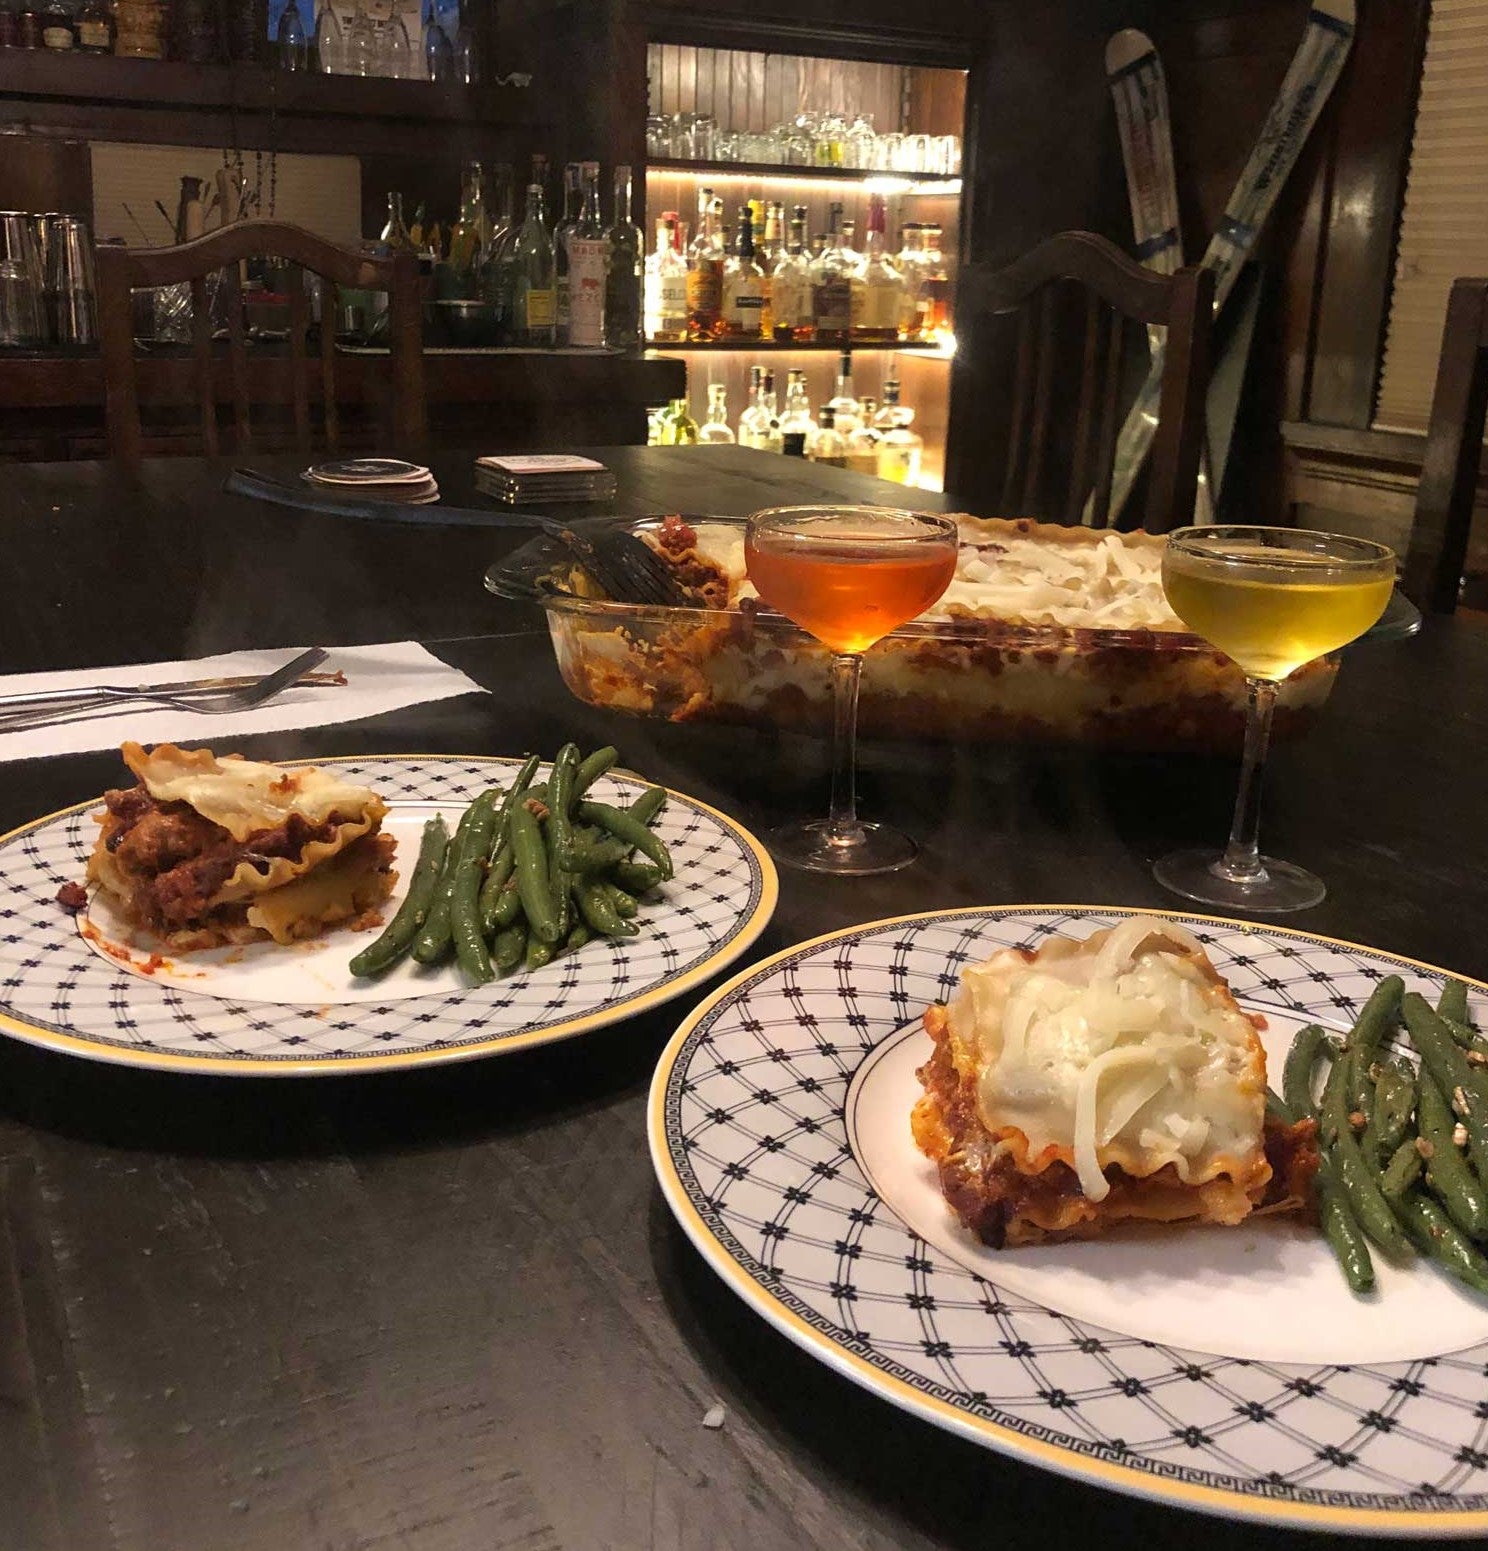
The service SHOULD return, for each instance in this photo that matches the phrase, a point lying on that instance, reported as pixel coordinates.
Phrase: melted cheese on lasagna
(1132, 1055)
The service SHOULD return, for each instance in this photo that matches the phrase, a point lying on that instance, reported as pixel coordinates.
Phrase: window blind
(1444, 226)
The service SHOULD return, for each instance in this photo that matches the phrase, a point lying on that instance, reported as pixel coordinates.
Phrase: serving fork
(205, 697)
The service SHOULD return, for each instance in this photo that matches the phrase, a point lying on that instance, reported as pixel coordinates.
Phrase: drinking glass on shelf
(658, 139)
(725, 146)
(330, 49)
(704, 137)
(848, 575)
(886, 151)
(1271, 599)
(20, 307)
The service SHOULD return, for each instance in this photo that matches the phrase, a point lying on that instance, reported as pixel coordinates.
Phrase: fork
(32, 710)
(624, 566)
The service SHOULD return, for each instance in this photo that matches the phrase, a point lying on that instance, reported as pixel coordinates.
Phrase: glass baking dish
(975, 680)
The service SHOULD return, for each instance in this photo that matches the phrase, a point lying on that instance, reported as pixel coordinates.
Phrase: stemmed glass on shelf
(1273, 600)
(848, 575)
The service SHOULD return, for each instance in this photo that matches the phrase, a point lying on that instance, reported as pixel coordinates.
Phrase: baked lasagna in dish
(203, 851)
(1091, 1083)
(1045, 634)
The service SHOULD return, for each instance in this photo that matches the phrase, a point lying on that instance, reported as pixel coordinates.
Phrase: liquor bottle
(95, 28)
(791, 318)
(850, 248)
(772, 442)
(705, 266)
(395, 236)
(715, 429)
(909, 263)
(754, 421)
(465, 249)
(829, 444)
(534, 283)
(291, 44)
(769, 248)
(746, 291)
(416, 231)
(497, 278)
(797, 421)
(57, 33)
(623, 260)
(666, 280)
(831, 287)
(677, 427)
(846, 410)
(899, 449)
(572, 197)
(878, 290)
(588, 251)
(936, 288)
(863, 440)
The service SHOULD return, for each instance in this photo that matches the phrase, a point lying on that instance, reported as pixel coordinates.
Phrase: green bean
(1345, 1237)
(625, 904)
(1402, 1171)
(624, 825)
(1465, 1035)
(1356, 1179)
(397, 937)
(1378, 1015)
(533, 884)
(1297, 1075)
(648, 804)
(1440, 1238)
(432, 945)
(1360, 1087)
(509, 946)
(539, 953)
(558, 832)
(636, 878)
(1450, 1070)
(601, 857)
(598, 910)
(1394, 1100)
(1450, 1180)
(578, 935)
(466, 929)
(508, 907)
(592, 767)
(1453, 1003)
(498, 874)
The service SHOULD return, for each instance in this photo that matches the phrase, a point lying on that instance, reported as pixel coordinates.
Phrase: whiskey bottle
(877, 291)
(791, 318)
(705, 277)
(863, 440)
(846, 410)
(466, 249)
(797, 421)
(666, 285)
(899, 449)
(831, 287)
(745, 288)
(623, 261)
(588, 253)
(935, 286)
(829, 445)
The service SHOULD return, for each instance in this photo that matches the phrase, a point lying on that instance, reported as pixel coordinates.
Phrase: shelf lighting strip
(886, 183)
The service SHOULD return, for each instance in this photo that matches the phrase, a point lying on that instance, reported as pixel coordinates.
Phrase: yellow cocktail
(1272, 599)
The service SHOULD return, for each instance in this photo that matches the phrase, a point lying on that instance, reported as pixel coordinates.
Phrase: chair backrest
(121, 270)
(1454, 448)
(1071, 386)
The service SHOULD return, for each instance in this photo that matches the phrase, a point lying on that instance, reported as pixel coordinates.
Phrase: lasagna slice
(1095, 1082)
(204, 851)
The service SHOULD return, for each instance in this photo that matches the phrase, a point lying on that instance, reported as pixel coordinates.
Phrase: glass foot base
(1280, 885)
(814, 847)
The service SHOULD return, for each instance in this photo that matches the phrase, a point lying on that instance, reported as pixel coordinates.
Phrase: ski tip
(1129, 48)
(1341, 11)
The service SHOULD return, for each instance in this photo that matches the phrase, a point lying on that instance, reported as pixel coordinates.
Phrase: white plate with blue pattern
(1226, 1370)
(85, 986)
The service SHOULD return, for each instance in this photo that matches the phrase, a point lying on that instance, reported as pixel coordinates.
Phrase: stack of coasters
(375, 479)
(524, 478)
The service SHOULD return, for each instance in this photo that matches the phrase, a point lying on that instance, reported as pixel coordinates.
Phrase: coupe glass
(848, 575)
(1272, 599)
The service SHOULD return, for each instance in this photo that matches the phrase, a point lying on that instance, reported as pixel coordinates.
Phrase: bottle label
(705, 290)
(93, 34)
(57, 37)
(792, 303)
(672, 300)
(747, 314)
(875, 308)
(832, 303)
(586, 288)
(561, 293)
(542, 309)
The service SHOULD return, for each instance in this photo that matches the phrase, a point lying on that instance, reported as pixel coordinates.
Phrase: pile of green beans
(1404, 1144)
(532, 872)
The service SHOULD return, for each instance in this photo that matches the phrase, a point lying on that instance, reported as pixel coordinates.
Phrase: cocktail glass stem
(1241, 862)
(843, 828)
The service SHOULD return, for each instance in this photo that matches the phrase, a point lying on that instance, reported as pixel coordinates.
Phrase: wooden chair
(1078, 300)
(121, 270)
(1437, 554)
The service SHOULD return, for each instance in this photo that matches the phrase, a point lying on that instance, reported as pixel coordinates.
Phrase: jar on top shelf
(139, 29)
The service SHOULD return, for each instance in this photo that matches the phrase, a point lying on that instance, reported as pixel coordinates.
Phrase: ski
(1305, 89)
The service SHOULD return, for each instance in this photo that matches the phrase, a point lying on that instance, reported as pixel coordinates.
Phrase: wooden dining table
(448, 1308)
